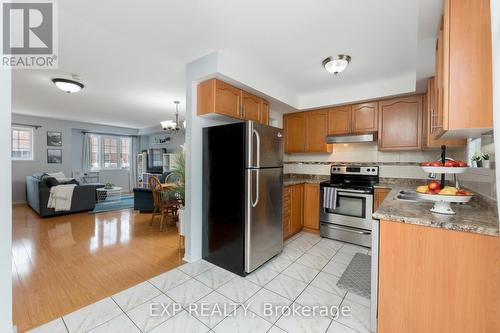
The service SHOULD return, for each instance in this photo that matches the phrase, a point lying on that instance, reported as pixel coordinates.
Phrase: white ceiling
(131, 55)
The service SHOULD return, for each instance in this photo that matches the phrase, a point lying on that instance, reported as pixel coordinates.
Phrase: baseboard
(18, 203)
(310, 230)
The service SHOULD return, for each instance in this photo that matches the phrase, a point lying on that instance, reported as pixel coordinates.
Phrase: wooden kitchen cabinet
(379, 196)
(430, 116)
(251, 106)
(293, 197)
(264, 112)
(464, 70)
(294, 125)
(297, 199)
(287, 212)
(316, 131)
(339, 120)
(364, 117)
(311, 207)
(400, 123)
(437, 280)
(216, 97)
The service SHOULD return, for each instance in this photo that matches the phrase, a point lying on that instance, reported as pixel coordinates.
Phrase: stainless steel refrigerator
(242, 195)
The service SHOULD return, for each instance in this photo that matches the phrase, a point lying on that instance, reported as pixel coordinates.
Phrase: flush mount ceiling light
(337, 64)
(170, 125)
(69, 86)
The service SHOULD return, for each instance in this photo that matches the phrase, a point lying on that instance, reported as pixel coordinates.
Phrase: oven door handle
(349, 230)
(353, 191)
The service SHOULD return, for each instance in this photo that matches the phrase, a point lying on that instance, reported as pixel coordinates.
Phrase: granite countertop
(479, 216)
(289, 180)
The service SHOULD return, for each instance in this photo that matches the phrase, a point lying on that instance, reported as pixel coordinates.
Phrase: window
(125, 153)
(110, 152)
(110, 149)
(94, 152)
(22, 143)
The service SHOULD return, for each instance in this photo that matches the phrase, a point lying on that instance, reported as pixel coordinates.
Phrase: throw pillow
(51, 181)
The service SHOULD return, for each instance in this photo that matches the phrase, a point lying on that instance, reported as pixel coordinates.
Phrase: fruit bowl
(443, 169)
(442, 202)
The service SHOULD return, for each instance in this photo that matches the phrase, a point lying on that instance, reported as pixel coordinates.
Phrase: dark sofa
(37, 195)
(143, 197)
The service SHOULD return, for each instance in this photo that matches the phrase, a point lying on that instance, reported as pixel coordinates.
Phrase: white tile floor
(304, 274)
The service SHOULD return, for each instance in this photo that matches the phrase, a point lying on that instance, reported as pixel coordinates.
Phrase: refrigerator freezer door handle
(257, 137)
(254, 204)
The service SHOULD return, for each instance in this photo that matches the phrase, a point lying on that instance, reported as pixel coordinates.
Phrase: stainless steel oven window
(349, 206)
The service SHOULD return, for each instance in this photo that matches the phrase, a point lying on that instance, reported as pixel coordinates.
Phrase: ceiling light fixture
(170, 125)
(69, 86)
(337, 64)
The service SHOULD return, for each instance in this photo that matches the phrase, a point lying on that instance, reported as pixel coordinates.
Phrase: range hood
(351, 138)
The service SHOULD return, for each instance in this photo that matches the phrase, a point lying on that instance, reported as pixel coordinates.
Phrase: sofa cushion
(67, 182)
(51, 181)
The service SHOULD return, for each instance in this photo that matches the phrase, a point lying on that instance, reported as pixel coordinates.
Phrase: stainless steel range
(346, 204)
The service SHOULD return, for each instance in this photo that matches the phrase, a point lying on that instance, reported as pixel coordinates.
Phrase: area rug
(127, 201)
(357, 276)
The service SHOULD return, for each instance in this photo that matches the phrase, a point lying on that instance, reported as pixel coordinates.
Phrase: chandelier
(174, 126)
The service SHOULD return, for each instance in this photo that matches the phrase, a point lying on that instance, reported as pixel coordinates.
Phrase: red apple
(436, 164)
(451, 164)
(462, 164)
(434, 185)
(425, 163)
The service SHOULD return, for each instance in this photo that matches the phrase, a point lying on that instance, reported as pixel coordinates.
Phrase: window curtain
(134, 150)
(86, 156)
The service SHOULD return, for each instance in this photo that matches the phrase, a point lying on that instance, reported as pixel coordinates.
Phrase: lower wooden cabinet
(437, 280)
(287, 212)
(300, 209)
(379, 196)
(311, 207)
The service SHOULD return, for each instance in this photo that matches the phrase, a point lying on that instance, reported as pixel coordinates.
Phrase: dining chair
(163, 205)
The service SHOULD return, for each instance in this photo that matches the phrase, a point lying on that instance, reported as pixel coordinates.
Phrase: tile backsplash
(392, 164)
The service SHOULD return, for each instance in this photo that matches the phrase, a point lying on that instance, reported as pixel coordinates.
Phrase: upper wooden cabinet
(218, 97)
(306, 132)
(358, 118)
(316, 131)
(295, 132)
(339, 120)
(264, 112)
(464, 70)
(400, 123)
(251, 106)
(430, 117)
(364, 117)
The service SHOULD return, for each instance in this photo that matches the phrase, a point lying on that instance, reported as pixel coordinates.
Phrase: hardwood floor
(61, 264)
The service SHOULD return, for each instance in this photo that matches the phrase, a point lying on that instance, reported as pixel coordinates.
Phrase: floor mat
(127, 201)
(357, 276)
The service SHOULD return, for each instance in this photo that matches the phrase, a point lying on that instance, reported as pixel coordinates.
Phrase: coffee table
(109, 194)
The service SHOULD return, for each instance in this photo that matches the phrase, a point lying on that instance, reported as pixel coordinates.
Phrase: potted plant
(480, 159)
(179, 190)
(477, 159)
(486, 160)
